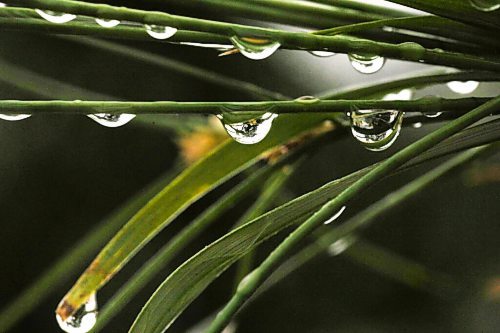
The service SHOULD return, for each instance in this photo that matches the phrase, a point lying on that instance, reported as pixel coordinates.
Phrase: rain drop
(159, 31)
(463, 88)
(83, 320)
(485, 5)
(335, 216)
(377, 130)
(322, 54)
(366, 63)
(247, 131)
(14, 117)
(339, 246)
(254, 48)
(107, 23)
(112, 120)
(55, 17)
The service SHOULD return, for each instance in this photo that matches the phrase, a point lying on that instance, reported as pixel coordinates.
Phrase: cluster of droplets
(366, 63)
(247, 130)
(377, 130)
(485, 5)
(83, 320)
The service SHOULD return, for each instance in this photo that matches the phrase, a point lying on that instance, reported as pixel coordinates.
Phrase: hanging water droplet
(463, 87)
(377, 130)
(14, 117)
(335, 216)
(112, 120)
(341, 245)
(83, 320)
(255, 48)
(55, 17)
(250, 130)
(159, 31)
(403, 95)
(366, 63)
(107, 23)
(322, 54)
(416, 125)
(485, 5)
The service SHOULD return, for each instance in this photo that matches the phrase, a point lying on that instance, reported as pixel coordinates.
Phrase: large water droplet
(159, 31)
(366, 63)
(83, 320)
(341, 245)
(463, 87)
(14, 117)
(485, 5)
(255, 48)
(107, 23)
(55, 17)
(250, 130)
(376, 129)
(322, 54)
(335, 216)
(112, 120)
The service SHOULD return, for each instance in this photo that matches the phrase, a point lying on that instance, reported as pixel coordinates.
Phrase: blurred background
(60, 175)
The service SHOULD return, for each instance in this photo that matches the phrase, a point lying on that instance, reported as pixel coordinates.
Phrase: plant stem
(425, 104)
(254, 279)
(293, 40)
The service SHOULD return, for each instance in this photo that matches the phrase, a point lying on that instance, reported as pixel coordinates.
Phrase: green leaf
(193, 183)
(190, 279)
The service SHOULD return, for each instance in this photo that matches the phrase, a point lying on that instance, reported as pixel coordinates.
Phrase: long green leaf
(192, 184)
(190, 279)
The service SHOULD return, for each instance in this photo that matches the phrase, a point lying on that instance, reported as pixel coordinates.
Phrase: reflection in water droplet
(159, 31)
(341, 245)
(335, 216)
(485, 5)
(463, 87)
(377, 130)
(417, 125)
(248, 131)
(83, 320)
(403, 95)
(107, 23)
(112, 120)
(55, 17)
(322, 54)
(13, 117)
(366, 63)
(254, 48)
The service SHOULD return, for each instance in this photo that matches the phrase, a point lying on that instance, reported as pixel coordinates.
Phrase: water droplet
(13, 117)
(432, 114)
(335, 216)
(255, 48)
(159, 31)
(83, 320)
(377, 130)
(463, 87)
(55, 17)
(250, 130)
(485, 5)
(417, 125)
(366, 63)
(403, 95)
(107, 23)
(112, 120)
(322, 54)
(307, 100)
(341, 245)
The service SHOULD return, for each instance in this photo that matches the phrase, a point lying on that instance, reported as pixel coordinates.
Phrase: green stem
(73, 260)
(293, 40)
(425, 104)
(254, 279)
